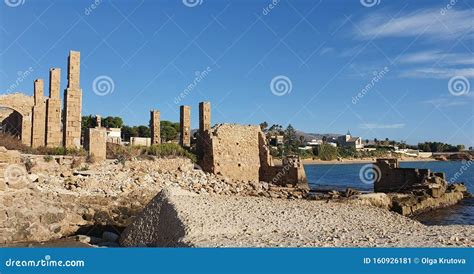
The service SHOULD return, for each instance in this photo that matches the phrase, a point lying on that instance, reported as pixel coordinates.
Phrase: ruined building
(37, 120)
(392, 178)
(240, 152)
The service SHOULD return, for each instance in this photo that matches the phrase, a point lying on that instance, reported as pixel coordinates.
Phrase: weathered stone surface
(23, 105)
(72, 103)
(240, 152)
(96, 143)
(185, 126)
(204, 116)
(155, 127)
(53, 109)
(38, 137)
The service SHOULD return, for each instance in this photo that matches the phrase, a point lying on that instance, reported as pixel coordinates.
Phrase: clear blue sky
(329, 50)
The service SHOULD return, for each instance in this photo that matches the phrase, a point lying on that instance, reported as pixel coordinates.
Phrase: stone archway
(16, 115)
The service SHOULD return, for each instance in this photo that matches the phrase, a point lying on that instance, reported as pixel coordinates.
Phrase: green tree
(326, 152)
(112, 122)
(291, 142)
(169, 130)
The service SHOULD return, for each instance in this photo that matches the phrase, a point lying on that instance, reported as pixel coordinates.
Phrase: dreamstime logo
(15, 174)
(465, 166)
(370, 3)
(459, 85)
(22, 75)
(369, 174)
(449, 6)
(95, 4)
(103, 85)
(14, 3)
(377, 77)
(199, 76)
(281, 85)
(192, 3)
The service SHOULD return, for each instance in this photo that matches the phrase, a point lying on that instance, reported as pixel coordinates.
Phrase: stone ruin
(241, 152)
(415, 190)
(392, 178)
(37, 122)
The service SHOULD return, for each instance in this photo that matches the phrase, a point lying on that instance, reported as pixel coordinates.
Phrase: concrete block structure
(72, 103)
(53, 110)
(185, 126)
(38, 136)
(204, 116)
(96, 143)
(155, 127)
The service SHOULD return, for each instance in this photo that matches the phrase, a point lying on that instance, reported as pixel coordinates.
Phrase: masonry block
(155, 127)
(38, 136)
(185, 126)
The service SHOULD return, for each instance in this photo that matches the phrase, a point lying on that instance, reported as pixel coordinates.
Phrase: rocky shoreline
(58, 201)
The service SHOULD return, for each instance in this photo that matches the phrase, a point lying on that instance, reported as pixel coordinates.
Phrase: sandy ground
(218, 221)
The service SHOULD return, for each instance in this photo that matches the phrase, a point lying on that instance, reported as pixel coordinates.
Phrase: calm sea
(342, 176)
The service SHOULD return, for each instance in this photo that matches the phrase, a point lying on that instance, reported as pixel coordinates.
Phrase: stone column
(204, 116)
(38, 131)
(72, 103)
(53, 110)
(155, 127)
(185, 125)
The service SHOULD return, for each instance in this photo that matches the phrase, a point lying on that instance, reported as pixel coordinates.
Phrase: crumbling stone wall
(391, 178)
(185, 126)
(291, 172)
(231, 151)
(53, 109)
(23, 105)
(240, 152)
(38, 137)
(12, 173)
(72, 103)
(155, 127)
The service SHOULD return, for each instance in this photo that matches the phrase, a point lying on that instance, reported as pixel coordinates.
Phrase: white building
(350, 141)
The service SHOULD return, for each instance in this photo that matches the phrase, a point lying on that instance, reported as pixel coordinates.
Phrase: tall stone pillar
(53, 110)
(185, 125)
(204, 116)
(155, 127)
(38, 131)
(72, 103)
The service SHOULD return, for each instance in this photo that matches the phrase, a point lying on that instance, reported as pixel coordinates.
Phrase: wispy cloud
(382, 126)
(451, 101)
(325, 50)
(430, 23)
(436, 56)
(437, 73)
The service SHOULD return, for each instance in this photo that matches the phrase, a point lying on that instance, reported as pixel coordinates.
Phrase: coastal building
(349, 141)
(114, 135)
(275, 140)
(314, 142)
